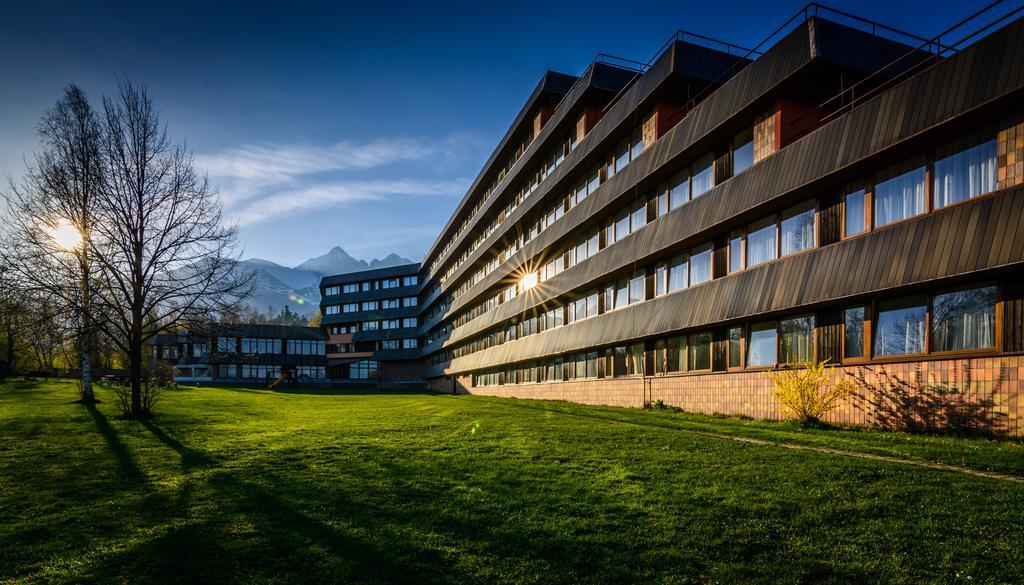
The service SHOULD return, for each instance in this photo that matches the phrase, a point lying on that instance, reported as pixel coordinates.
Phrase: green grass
(239, 485)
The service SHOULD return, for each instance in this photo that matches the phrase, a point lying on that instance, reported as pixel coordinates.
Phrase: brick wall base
(980, 394)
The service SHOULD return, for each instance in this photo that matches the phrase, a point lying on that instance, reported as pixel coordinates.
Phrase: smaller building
(371, 318)
(245, 354)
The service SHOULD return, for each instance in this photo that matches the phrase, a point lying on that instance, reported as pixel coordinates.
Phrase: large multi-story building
(372, 320)
(851, 194)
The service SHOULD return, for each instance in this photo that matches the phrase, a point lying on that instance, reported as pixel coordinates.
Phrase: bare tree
(49, 248)
(166, 257)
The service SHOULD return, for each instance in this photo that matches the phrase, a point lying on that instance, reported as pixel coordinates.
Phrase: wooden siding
(968, 238)
(798, 171)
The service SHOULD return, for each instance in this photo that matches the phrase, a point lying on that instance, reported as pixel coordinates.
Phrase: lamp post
(70, 239)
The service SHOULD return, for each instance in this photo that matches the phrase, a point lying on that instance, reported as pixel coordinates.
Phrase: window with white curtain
(762, 344)
(703, 178)
(855, 213)
(700, 265)
(900, 327)
(796, 340)
(797, 228)
(900, 192)
(968, 173)
(964, 319)
(761, 246)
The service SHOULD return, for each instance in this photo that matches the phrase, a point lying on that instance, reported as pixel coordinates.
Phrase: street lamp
(66, 235)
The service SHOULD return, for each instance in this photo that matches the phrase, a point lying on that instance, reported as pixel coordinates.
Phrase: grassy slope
(254, 486)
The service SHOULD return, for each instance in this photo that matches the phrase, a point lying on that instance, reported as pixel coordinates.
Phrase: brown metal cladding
(746, 87)
(788, 175)
(773, 287)
(876, 125)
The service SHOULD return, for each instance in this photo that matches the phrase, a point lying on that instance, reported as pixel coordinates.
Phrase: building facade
(245, 354)
(851, 194)
(371, 319)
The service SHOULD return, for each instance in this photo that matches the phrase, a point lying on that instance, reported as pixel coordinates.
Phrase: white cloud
(258, 181)
(320, 197)
(277, 163)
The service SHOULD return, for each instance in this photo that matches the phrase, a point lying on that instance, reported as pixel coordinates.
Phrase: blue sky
(351, 124)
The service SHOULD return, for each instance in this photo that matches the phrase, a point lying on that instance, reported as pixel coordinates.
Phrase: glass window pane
(761, 245)
(636, 289)
(855, 213)
(679, 189)
(966, 174)
(703, 178)
(735, 347)
(798, 228)
(638, 218)
(700, 266)
(900, 196)
(900, 327)
(675, 360)
(621, 156)
(622, 225)
(619, 362)
(743, 151)
(853, 332)
(621, 293)
(796, 340)
(699, 354)
(678, 277)
(761, 345)
(636, 359)
(964, 320)
(660, 279)
(638, 145)
(736, 253)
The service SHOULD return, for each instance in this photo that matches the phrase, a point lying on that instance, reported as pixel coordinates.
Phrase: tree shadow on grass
(190, 458)
(251, 533)
(127, 468)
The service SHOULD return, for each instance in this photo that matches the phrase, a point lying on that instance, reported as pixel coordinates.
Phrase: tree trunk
(85, 340)
(135, 373)
(135, 363)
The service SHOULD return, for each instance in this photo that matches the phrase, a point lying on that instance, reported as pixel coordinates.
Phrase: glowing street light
(66, 235)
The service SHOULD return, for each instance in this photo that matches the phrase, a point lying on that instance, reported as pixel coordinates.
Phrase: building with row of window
(371, 319)
(851, 194)
(245, 354)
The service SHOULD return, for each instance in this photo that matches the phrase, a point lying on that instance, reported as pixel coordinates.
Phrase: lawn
(244, 485)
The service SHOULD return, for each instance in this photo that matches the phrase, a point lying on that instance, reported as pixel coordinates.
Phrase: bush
(810, 390)
(156, 378)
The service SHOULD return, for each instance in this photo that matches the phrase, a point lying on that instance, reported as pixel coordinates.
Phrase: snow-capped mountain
(276, 287)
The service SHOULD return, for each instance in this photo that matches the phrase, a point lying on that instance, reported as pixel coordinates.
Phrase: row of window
(563, 147)
(364, 346)
(613, 163)
(382, 284)
(305, 347)
(383, 324)
(948, 322)
(371, 305)
(686, 185)
(682, 271)
(961, 170)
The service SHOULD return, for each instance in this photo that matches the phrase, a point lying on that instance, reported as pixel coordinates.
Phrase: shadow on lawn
(190, 458)
(127, 468)
(247, 531)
